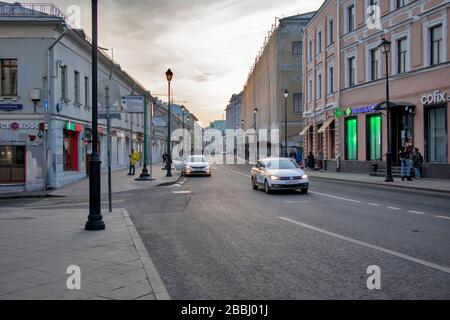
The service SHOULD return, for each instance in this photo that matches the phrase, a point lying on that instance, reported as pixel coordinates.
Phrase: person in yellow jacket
(134, 158)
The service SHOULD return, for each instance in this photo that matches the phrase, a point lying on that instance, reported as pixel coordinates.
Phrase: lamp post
(255, 112)
(145, 176)
(242, 124)
(169, 76)
(188, 120)
(286, 96)
(95, 218)
(183, 110)
(385, 48)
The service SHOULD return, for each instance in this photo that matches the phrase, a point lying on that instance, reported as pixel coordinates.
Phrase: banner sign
(11, 107)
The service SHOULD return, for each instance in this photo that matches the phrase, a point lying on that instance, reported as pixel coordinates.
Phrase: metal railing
(31, 9)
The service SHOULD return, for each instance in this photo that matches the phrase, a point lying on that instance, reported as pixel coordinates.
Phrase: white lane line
(181, 192)
(371, 246)
(374, 204)
(443, 217)
(177, 185)
(336, 197)
(297, 202)
(394, 208)
(417, 212)
(237, 172)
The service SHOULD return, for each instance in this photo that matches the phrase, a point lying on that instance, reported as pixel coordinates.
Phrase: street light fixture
(255, 112)
(385, 48)
(169, 76)
(183, 110)
(286, 96)
(242, 124)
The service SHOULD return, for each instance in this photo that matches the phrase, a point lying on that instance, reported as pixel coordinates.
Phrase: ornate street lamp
(95, 218)
(255, 112)
(169, 76)
(286, 96)
(385, 48)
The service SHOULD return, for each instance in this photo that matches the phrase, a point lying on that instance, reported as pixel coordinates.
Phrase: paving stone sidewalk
(37, 247)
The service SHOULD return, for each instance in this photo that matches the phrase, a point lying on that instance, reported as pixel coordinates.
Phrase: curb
(37, 196)
(384, 185)
(159, 290)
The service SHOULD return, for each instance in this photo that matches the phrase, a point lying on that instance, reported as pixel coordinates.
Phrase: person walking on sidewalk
(418, 163)
(406, 155)
(134, 158)
(310, 162)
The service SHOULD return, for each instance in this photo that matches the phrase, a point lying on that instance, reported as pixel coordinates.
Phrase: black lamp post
(286, 96)
(169, 76)
(95, 218)
(183, 110)
(255, 112)
(242, 124)
(385, 48)
(188, 119)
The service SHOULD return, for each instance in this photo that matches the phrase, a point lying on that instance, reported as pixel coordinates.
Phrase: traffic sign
(133, 104)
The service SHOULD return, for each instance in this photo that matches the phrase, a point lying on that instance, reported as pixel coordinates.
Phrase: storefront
(71, 135)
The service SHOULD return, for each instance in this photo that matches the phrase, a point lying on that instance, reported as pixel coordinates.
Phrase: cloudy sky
(209, 44)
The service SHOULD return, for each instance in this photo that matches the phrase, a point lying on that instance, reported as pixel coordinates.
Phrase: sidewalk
(37, 247)
(433, 185)
(121, 182)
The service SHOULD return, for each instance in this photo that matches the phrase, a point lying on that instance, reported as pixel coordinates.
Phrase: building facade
(279, 66)
(345, 107)
(233, 112)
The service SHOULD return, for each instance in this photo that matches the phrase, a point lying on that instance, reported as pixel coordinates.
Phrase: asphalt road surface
(216, 238)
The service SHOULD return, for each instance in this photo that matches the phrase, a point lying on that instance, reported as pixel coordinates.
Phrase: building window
(400, 3)
(86, 92)
(319, 87)
(319, 42)
(310, 49)
(298, 103)
(309, 91)
(12, 164)
(402, 53)
(436, 45)
(9, 78)
(330, 32)
(373, 137)
(64, 82)
(351, 139)
(374, 64)
(351, 72)
(436, 131)
(297, 48)
(331, 80)
(70, 151)
(77, 86)
(351, 18)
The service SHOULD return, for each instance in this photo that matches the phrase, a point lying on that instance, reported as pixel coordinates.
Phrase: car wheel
(254, 186)
(304, 191)
(267, 188)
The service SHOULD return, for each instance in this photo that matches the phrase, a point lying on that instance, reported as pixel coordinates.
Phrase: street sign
(133, 104)
(113, 92)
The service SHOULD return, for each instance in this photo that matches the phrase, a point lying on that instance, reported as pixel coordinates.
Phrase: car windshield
(197, 159)
(281, 164)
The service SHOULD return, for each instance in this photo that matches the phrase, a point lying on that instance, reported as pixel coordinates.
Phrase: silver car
(197, 165)
(279, 174)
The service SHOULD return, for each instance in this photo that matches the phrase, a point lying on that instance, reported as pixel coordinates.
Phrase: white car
(279, 174)
(197, 165)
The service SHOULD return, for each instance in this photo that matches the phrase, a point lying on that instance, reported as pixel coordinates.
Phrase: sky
(209, 45)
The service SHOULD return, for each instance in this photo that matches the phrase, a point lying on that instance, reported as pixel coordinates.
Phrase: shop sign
(11, 107)
(70, 126)
(435, 98)
(355, 111)
(19, 125)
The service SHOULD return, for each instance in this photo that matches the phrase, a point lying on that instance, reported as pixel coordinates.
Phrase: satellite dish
(113, 92)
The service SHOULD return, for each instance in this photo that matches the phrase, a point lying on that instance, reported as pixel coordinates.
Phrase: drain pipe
(48, 95)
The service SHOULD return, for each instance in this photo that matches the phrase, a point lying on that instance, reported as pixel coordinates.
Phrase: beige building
(345, 82)
(277, 68)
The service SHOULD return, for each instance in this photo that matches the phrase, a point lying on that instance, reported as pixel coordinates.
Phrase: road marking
(181, 192)
(335, 197)
(417, 212)
(371, 246)
(296, 202)
(374, 204)
(237, 172)
(443, 217)
(177, 185)
(394, 208)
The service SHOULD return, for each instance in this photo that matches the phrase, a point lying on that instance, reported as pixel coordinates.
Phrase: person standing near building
(134, 158)
(320, 158)
(418, 163)
(310, 162)
(406, 155)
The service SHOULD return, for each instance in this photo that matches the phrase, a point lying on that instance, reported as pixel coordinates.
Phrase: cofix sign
(435, 98)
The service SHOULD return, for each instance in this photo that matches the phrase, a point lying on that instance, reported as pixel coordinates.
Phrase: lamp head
(286, 93)
(169, 75)
(385, 46)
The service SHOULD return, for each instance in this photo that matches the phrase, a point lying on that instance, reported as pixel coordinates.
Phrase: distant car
(279, 174)
(197, 165)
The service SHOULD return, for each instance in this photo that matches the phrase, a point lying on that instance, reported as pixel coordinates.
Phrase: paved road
(216, 238)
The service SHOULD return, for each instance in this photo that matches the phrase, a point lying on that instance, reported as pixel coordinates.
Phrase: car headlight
(275, 178)
(188, 167)
(304, 177)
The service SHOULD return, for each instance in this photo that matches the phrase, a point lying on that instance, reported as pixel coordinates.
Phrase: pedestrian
(164, 157)
(320, 158)
(134, 158)
(298, 157)
(406, 154)
(311, 162)
(292, 155)
(418, 163)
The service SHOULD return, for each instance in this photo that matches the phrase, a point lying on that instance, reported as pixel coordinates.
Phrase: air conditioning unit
(36, 95)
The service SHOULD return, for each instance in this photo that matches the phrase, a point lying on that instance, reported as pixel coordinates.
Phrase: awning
(305, 130)
(326, 125)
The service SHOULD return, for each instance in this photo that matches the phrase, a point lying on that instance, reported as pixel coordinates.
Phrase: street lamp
(95, 218)
(169, 76)
(188, 119)
(183, 110)
(385, 48)
(242, 124)
(145, 176)
(286, 96)
(255, 112)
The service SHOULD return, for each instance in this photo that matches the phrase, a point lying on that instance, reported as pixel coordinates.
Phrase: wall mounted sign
(70, 126)
(11, 107)
(19, 125)
(355, 111)
(435, 98)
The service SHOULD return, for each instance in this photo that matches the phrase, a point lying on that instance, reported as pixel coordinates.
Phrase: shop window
(70, 153)
(351, 139)
(373, 137)
(436, 134)
(12, 164)
(8, 74)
